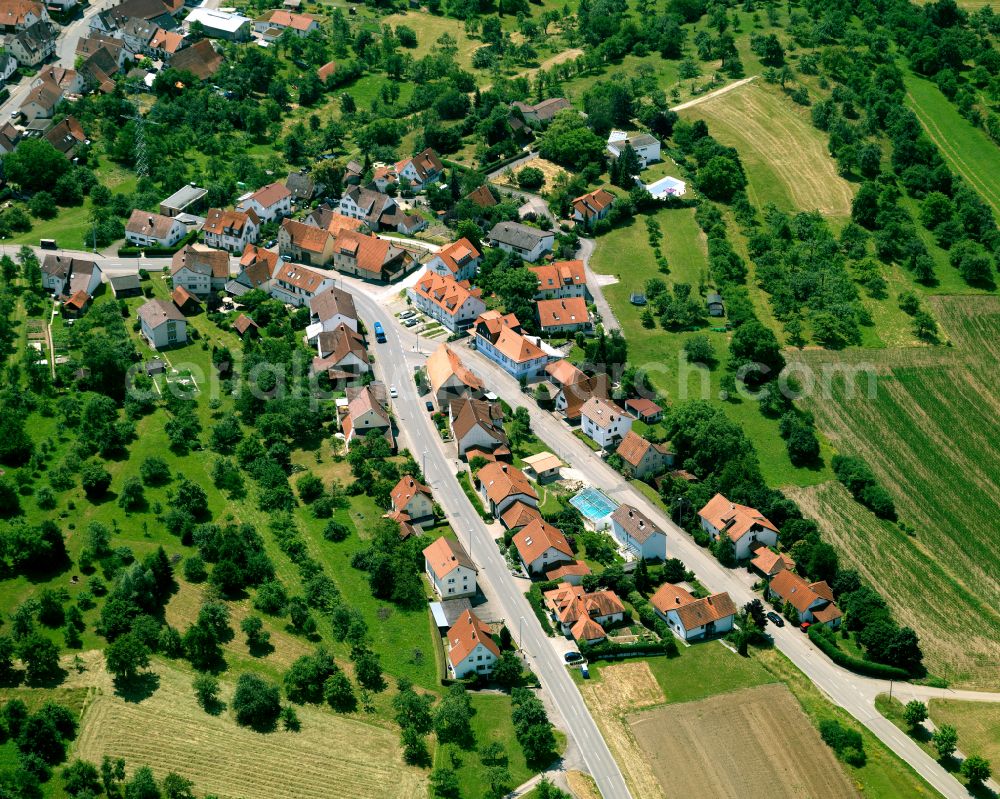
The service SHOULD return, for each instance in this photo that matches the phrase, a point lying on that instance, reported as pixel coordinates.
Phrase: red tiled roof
(465, 635)
(733, 519)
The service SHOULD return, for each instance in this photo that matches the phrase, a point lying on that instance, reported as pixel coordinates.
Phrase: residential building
(482, 196)
(691, 619)
(296, 284)
(41, 102)
(301, 186)
(33, 44)
(593, 206)
(146, 229)
(584, 616)
(367, 205)
(478, 425)
(414, 499)
(10, 137)
(166, 43)
(449, 379)
(528, 242)
(501, 485)
(186, 199)
(270, 202)
(273, 23)
(518, 515)
(366, 410)
(645, 410)
(500, 339)
(563, 316)
(646, 147)
(332, 220)
(643, 459)
(768, 563)
(341, 354)
(638, 533)
(63, 275)
(231, 230)
(540, 546)
(162, 324)
(16, 15)
(746, 527)
(304, 243)
(458, 260)
(455, 304)
(330, 309)
(370, 257)
(160, 11)
(471, 648)
(421, 169)
(604, 422)
(812, 601)
(574, 388)
(257, 265)
(542, 112)
(200, 59)
(95, 42)
(217, 24)
(66, 136)
(450, 569)
(200, 270)
(561, 280)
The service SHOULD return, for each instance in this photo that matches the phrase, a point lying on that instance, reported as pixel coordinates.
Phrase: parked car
(805, 626)
(393, 392)
(270, 244)
(775, 619)
(410, 322)
(430, 406)
(585, 671)
(573, 657)
(286, 258)
(407, 314)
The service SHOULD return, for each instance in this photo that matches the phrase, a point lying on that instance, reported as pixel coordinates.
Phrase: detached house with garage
(746, 527)
(450, 569)
(458, 260)
(646, 147)
(691, 619)
(269, 202)
(146, 229)
(583, 616)
(643, 459)
(231, 230)
(477, 427)
(638, 533)
(162, 324)
(471, 648)
(200, 270)
(540, 546)
(414, 499)
(455, 304)
(812, 601)
(501, 485)
(573, 388)
(592, 207)
(528, 242)
(604, 422)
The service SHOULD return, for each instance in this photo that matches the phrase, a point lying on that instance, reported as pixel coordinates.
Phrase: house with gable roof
(449, 378)
(341, 353)
(812, 601)
(528, 242)
(257, 265)
(691, 619)
(450, 569)
(593, 206)
(746, 527)
(604, 421)
(455, 304)
(458, 260)
(501, 485)
(499, 338)
(638, 533)
(414, 499)
(200, 270)
(642, 458)
(477, 425)
(584, 616)
(162, 324)
(231, 230)
(270, 202)
(471, 648)
(329, 309)
(304, 243)
(561, 280)
(146, 229)
(296, 284)
(563, 316)
(369, 257)
(540, 546)
(366, 410)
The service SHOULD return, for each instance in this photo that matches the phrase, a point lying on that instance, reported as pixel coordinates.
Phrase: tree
(444, 783)
(305, 679)
(945, 740)
(492, 753)
(412, 709)
(132, 495)
(125, 656)
(258, 638)
(414, 748)
(499, 780)
(915, 713)
(924, 326)
(530, 178)
(453, 719)
(142, 785)
(699, 350)
(310, 487)
(36, 166)
(81, 778)
(201, 647)
(154, 471)
(94, 479)
(720, 178)
(976, 769)
(339, 693)
(40, 657)
(972, 261)
(256, 701)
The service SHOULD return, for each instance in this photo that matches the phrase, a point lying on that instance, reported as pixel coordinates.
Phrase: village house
(482, 197)
(304, 243)
(746, 527)
(226, 25)
(768, 563)
(638, 533)
(33, 44)
(500, 339)
(542, 112)
(471, 648)
(69, 81)
(273, 23)
(231, 230)
(16, 15)
(528, 242)
(146, 229)
(572, 573)
(540, 546)
(518, 515)
(449, 379)
(418, 170)
(477, 425)
(501, 485)
(455, 304)
(691, 619)
(812, 601)
(297, 285)
(41, 102)
(200, 270)
(643, 459)
(593, 206)
(585, 617)
(563, 316)
(200, 59)
(332, 220)
(646, 147)
(415, 500)
(341, 354)
(66, 136)
(301, 186)
(369, 257)
(450, 569)
(574, 388)
(561, 280)
(645, 410)
(270, 202)
(256, 267)
(458, 260)
(367, 205)
(162, 324)
(64, 275)
(115, 48)
(10, 137)
(366, 410)
(604, 422)
(330, 309)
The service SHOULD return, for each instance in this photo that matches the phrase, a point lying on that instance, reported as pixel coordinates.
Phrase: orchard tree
(257, 702)
(915, 713)
(125, 656)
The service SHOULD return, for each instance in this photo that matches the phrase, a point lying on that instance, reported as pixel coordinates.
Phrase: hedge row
(608, 650)
(866, 667)
(537, 602)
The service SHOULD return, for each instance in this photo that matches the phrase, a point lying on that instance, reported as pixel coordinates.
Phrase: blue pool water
(593, 504)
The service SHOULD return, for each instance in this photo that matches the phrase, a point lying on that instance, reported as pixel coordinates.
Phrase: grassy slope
(978, 725)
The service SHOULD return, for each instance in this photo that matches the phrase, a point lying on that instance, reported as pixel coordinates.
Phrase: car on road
(379, 333)
(775, 619)
(805, 626)
(573, 657)
(393, 392)
(286, 258)
(429, 405)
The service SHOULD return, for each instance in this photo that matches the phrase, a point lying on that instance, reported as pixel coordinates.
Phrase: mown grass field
(978, 725)
(931, 434)
(785, 157)
(625, 253)
(968, 150)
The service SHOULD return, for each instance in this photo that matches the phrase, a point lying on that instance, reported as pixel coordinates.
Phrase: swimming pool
(593, 504)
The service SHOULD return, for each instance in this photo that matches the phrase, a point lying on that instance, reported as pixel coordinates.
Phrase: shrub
(847, 743)
(820, 636)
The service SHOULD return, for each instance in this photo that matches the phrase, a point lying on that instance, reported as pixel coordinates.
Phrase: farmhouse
(276, 21)
(563, 316)
(419, 170)
(638, 533)
(455, 304)
(162, 324)
(642, 458)
(540, 546)
(200, 270)
(270, 202)
(304, 243)
(146, 229)
(646, 147)
(450, 569)
(528, 242)
(593, 206)
(471, 648)
(478, 425)
(413, 499)
(329, 309)
(200, 59)
(367, 205)
(502, 485)
(584, 616)
(812, 601)
(690, 618)
(449, 379)
(296, 284)
(341, 354)
(604, 421)
(561, 280)
(746, 527)
(231, 230)
(458, 260)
